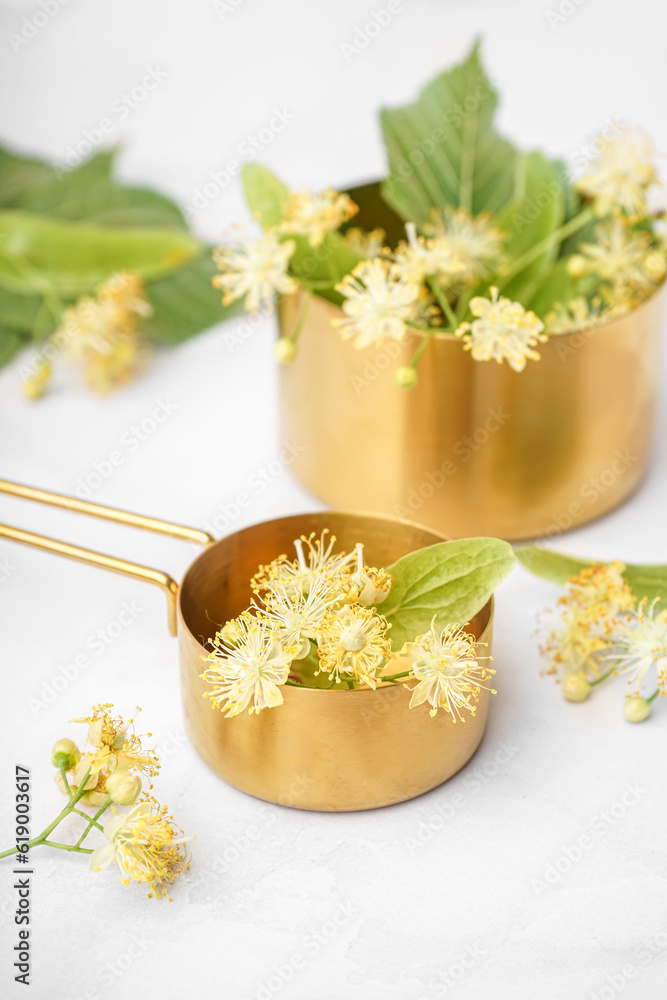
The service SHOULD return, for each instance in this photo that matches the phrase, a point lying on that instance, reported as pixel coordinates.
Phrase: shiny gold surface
(324, 750)
(92, 558)
(476, 448)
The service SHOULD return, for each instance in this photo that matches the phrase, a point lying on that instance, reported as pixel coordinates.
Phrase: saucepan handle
(154, 576)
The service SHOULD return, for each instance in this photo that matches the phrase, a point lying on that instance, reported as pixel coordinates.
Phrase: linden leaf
(648, 580)
(451, 581)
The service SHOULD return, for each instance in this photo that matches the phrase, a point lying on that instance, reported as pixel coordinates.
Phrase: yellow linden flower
(578, 633)
(639, 643)
(35, 385)
(619, 257)
(621, 175)
(352, 644)
(366, 585)
(314, 215)
(146, 846)
(365, 244)
(474, 240)
(504, 331)
(294, 612)
(248, 671)
(315, 556)
(378, 304)
(100, 333)
(117, 745)
(579, 314)
(447, 669)
(422, 258)
(255, 269)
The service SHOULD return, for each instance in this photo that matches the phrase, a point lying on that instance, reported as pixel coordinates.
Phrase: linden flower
(365, 244)
(641, 643)
(100, 333)
(146, 846)
(619, 257)
(579, 314)
(315, 215)
(620, 175)
(250, 669)
(294, 614)
(504, 331)
(352, 644)
(256, 269)
(366, 585)
(118, 746)
(601, 587)
(378, 303)
(447, 669)
(475, 241)
(314, 558)
(421, 258)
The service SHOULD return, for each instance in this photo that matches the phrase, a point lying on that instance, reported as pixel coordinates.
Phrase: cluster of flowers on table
(428, 282)
(318, 615)
(598, 629)
(141, 837)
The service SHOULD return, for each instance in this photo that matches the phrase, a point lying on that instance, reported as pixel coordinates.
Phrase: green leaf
(71, 258)
(88, 192)
(265, 194)
(648, 581)
(11, 341)
(537, 210)
(443, 149)
(185, 303)
(21, 312)
(451, 581)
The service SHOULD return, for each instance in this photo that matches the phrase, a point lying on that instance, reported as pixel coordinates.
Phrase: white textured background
(435, 897)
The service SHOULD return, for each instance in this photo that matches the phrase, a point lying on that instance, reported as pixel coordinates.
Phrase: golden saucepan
(327, 750)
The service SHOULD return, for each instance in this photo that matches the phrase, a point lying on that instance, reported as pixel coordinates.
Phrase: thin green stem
(93, 822)
(63, 775)
(599, 680)
(538, 249)
(42, 837)
(653, 696)
(443, 302)
(67, 847)
(395, 677)
(301, 319)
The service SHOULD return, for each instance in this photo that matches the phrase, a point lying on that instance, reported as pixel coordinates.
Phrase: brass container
(325, 750)
(475, 448)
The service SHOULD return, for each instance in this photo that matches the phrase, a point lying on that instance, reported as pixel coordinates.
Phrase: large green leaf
(451, 581)
(88, 192)
(648, 581)
(536, 211)
(72, 258)
(443, 149)
(185, 302)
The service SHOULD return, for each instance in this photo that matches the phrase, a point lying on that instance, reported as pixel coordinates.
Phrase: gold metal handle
(155, 576)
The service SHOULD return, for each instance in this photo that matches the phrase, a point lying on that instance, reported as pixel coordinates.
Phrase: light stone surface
(444, 896)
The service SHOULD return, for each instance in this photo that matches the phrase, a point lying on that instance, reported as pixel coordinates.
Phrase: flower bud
(577, 266)
(65, 754)
(123, 787)
(80, 773)
(284, 350)
(637, 709)
(576, 688)
(406, 377)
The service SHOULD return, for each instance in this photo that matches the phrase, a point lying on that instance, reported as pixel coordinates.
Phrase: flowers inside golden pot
(473, 342)
(352, 676)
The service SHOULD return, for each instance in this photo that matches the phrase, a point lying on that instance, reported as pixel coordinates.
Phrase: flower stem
(42, 837)
(93, 822)
(395, 677)
(67, 847)
(599, 680)
(538, 249)
(443, 302)
(653, 696)
(301, 318)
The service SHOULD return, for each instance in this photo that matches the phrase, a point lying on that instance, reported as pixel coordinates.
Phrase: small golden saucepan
(330, 750)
